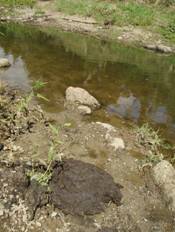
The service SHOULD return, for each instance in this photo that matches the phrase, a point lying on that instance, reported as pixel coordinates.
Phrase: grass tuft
(14, 3)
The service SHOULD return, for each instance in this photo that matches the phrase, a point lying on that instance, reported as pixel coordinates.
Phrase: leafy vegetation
(151, 139)
(24, 102)
(43, 178)
(13, 3)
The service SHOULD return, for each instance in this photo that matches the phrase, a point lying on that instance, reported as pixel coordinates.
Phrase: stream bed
(131, 83)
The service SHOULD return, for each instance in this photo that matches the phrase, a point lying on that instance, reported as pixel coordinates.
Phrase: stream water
(131, 83)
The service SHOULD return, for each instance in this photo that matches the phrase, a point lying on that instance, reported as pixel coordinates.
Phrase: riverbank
(34, 143)
(159, 38)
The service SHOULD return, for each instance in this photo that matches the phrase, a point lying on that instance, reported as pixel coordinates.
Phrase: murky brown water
(130, 83)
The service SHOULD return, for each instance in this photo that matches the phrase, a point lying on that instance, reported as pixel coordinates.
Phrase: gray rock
(82, 97)
(4, 63)
(84, 110)
(159, 48)
(164, 177)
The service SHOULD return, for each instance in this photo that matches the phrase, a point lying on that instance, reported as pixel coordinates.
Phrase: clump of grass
(151, 139)
(14, 3)
(118, 13)
(151, 159)
(147, 136)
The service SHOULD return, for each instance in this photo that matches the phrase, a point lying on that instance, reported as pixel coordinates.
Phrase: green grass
(123, 14)
(160, 19)
(14, 3)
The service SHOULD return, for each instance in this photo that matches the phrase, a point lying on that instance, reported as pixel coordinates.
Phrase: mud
(76, 188)
(83, 188)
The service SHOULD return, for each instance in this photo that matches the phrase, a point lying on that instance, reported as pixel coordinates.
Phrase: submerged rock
(164, 176)
(82, 97)
(4, 63)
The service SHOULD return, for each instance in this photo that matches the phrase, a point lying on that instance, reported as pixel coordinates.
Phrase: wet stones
(4, 63)
(80, 96)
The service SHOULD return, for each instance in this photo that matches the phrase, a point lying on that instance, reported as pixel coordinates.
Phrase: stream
(131, 83)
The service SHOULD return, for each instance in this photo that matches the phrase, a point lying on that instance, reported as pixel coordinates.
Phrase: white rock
(4, 63)
(81, 96)
(84, 110)
(107, 126)
(164, 177)
(53, 214)
(117, 143)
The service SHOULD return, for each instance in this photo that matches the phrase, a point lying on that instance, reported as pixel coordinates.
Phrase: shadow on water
(131, 83)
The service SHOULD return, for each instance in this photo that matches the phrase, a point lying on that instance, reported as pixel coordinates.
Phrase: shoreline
(127, 35)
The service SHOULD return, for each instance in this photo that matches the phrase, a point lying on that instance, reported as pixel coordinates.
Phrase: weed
(24, 102)
(44, 178)
(151, 159)
(40, 177)
(147, 136)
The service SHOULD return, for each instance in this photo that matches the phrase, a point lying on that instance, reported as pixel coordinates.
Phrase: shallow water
(131, 83)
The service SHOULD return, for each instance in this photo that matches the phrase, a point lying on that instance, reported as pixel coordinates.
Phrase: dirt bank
(92, 184)
(43, 14)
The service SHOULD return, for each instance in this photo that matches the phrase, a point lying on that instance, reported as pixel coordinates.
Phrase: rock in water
(82, 97)
(82, 188)
(4, 63)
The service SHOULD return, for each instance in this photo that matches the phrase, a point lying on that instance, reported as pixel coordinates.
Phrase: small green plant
(151, 159)
(24, 102)
(43, 178)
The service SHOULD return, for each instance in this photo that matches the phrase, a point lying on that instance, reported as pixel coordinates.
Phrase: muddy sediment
(76, 188)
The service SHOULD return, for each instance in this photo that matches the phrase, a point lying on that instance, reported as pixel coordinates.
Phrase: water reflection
(125, 80)
(16, 75)
(159, 115)
(126, 107)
